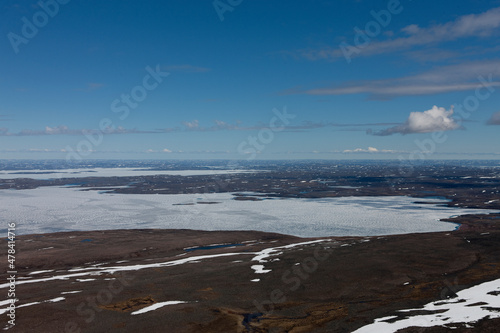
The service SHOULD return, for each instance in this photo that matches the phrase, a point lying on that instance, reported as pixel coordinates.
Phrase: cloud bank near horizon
(436, 119)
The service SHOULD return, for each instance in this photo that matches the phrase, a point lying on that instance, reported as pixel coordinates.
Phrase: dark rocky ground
(319, 287)
(337, 285)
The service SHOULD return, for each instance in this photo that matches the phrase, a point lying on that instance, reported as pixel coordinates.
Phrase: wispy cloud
(165, 151)
(191, 124)
(65, 130)
(33, 150)
(308, 125)
(168, 151)
(460, 77)
(474, 25)
(433, 120)
(371, 150)
(495, 119)
(188, 126)
(220, 125)
(94, 86)
(187, 69)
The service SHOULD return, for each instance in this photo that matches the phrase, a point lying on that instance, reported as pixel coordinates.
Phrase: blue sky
(235, 79)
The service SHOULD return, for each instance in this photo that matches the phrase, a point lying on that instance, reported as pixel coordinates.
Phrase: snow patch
(467, 307)
(156, 306)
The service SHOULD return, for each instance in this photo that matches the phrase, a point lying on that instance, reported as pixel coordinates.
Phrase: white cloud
(369, 150)
(56, 130)
(191, 124)
(433, 120)
(166, 150)
(495, 119)
(411, 29)
(221, 125)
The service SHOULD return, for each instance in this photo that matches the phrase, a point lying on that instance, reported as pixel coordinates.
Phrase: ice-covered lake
(110, 172)
(52, 209)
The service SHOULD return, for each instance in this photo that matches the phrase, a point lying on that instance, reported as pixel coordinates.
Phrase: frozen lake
(110, 172)
(52, 209)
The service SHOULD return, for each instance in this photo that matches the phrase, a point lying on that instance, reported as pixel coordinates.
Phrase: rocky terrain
(152, 280)
(473, 186)
(200, 281)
